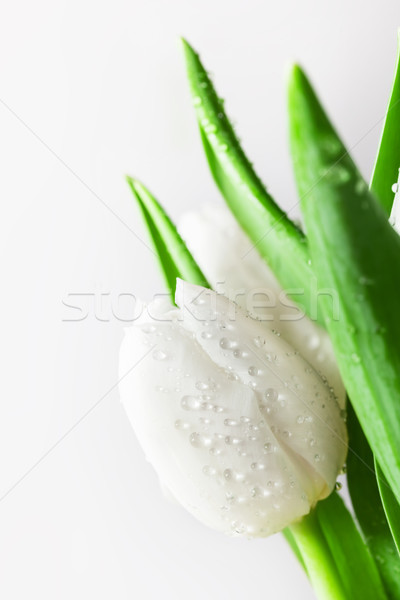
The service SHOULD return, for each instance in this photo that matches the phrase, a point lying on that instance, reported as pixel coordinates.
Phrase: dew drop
(338, 486)
(365, 280)
(259, 342)
(253, 371)
(194, 439)
(230, 498)
(215, 451)
(197, 440)
(237, 527)
(231, 423)
(204, 385)
(355, 358)
(148, 328)
(181, 424)
(336, 174)
(271, 395)
(332, 146)
(206, 335)
(226, 344)
(197, 101)
(159, 355)
(234, 441)
(227, 474)
(190, 403)
(209, 471)
(211, 128)
(360, 187)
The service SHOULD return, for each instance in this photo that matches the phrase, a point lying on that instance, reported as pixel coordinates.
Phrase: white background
(89, 91)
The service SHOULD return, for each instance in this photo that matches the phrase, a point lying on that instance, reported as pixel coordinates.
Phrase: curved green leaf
(358, 572)
(391, 506)
(337, 560)
(356, 255)
(280, 242)
(175, 258)
(387, 162)
(368, 507)
(291, 540)
(319, 561)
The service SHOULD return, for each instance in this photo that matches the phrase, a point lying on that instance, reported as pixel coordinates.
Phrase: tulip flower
(237, 396)
(240, 428)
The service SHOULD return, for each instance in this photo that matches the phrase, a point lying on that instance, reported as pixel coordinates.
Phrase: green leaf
(279, 241)
(368, 507)
(338, 562)
(291, 540)
(318, 559)
(358, 571)
(356, 257)
(175, 258)
(387, 162)
(391, 506)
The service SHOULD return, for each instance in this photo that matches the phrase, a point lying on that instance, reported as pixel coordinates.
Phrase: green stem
(318, 560)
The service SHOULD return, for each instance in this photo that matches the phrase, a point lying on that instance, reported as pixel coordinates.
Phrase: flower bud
(234, 268)
(240, 428)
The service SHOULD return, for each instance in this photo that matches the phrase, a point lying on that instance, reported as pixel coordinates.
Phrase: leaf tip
(297, 77)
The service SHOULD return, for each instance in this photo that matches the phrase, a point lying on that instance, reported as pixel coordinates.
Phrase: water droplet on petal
(231, 423)
(181, 424)
(190, 403)
(206, 335)
(253, 371)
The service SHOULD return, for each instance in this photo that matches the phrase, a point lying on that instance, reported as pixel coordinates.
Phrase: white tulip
(240, 428)
(232, 265)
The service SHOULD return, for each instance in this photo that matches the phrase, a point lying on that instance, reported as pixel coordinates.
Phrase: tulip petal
(221, 445)
(247, 280)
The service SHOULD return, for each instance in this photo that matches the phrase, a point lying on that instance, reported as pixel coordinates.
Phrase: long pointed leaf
(358, 571)
(330, 541)
(175, 258)
(356, 254)
(392, 508)
(280, 242)
(387, 162)
(368, 507)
